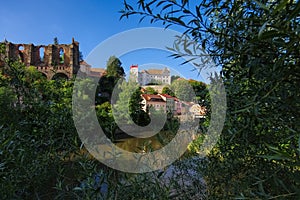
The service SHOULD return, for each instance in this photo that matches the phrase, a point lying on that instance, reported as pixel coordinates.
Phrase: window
(61, 56)
(21, 55)
(42, 53)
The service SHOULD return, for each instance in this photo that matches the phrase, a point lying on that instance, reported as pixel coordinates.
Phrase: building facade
(153, 101)
(150, 76)
(91, 72)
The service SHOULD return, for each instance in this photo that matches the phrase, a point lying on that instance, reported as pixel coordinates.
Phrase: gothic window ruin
(21, 52)
(42, 54)
(61, 56)
(46, 58)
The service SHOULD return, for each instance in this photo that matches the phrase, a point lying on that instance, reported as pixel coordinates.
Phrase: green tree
(106, 120)
(174, 77)
(138, 115)
(128, 107)
(257, 45)
(167, 90)
(55, 41)
(150, 90)
(114, 68)
(105, 88)
(7, 98)
(200, 89)
(107, 83)
(183, 90)
(37, 140)
(38, 135)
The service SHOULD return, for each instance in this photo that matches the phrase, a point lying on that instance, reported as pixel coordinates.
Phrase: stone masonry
(53, 60)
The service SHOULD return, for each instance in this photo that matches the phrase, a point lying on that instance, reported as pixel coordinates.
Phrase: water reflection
(139, 144)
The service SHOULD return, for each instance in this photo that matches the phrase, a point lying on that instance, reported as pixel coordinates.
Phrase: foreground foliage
(41, 156)
(37, 131)
(257, 45)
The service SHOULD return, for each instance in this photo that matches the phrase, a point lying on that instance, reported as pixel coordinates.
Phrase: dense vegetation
(257, 45)
(37, 132)
(41, 155)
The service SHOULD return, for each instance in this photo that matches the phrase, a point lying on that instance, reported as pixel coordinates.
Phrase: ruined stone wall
(61, 60)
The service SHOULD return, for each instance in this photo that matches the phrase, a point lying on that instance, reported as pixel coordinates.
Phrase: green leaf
(159, 3)
(160, 174)
(295, 12)
(77, 189)
(262, 28)
(186, 11)
(148, 9)
(149, 4)
(263, 6)
(270, 34)
(198, 12)
(187, 61)
(142, 18)
(175, 19)
(281, 5)
(167, 6)
(299, 144)
(184, 2)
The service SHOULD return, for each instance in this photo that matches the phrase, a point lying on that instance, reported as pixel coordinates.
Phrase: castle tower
(134, 72)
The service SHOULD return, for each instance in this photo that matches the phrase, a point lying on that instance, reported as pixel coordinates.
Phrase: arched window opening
(42, 54)
(21, 50)
(60, 76)
(61, 56)
(43, 75)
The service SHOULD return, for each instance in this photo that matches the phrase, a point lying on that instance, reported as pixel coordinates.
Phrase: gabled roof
(99, 70)
(84, 63)
(152, 97)
(197, 109)
(156, 71)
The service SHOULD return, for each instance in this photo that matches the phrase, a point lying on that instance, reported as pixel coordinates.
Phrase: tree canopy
(114, 68)
(167, 90)
(183, 90)
(128, 107)
(174, 77)
(150, 90)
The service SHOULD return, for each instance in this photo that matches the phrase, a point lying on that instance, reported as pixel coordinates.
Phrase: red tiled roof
(152, 97)
(134, 66)
(167, 96)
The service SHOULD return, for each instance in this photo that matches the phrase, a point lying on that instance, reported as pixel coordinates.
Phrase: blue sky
(90, 22)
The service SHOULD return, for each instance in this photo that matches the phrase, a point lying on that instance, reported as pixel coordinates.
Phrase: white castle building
(146, 76)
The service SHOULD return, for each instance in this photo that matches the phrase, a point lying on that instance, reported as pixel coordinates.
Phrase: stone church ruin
(53, 60)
